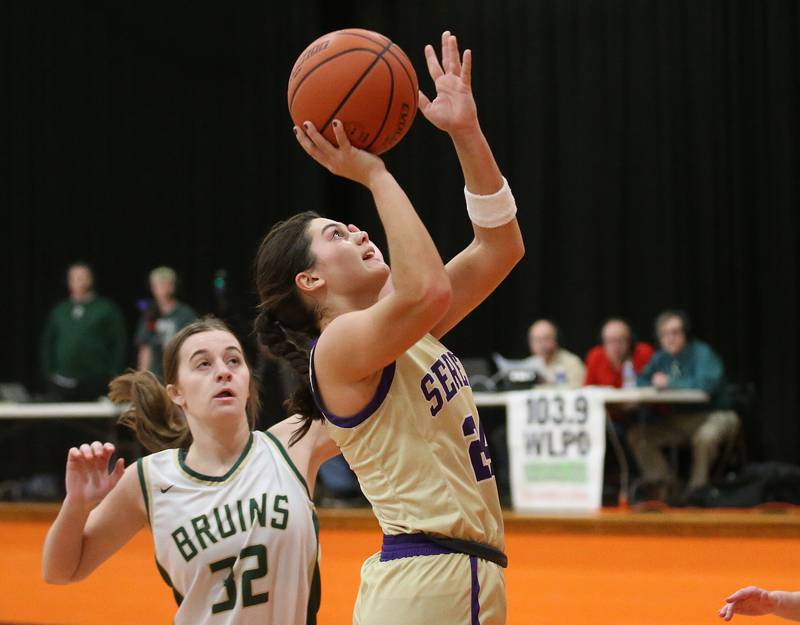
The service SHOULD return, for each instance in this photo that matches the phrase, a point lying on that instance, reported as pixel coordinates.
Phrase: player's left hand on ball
(345, 160)
(453, 109)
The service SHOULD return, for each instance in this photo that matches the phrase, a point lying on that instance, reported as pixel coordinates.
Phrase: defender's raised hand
(88, 479)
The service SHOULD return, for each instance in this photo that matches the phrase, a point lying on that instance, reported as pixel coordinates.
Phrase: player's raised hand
(88, 479)
(749, 601)
(345, 160)
(453, 109)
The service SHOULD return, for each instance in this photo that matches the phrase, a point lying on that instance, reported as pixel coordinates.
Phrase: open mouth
(370, 253)
(225, 394)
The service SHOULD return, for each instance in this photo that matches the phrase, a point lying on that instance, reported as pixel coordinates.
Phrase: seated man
(684, 363)
(553, 364)
(605, 363)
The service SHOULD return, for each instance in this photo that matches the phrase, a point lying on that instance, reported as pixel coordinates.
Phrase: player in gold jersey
(395, 400)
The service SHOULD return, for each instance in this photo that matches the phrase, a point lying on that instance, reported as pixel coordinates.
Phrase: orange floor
(553, 579)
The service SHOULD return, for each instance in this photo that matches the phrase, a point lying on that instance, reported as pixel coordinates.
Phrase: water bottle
(628, 374)
(561, 376)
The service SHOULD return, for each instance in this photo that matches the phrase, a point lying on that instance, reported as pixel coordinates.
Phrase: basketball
(361, 78)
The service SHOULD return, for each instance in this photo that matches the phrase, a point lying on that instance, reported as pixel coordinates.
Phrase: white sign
(556, 446)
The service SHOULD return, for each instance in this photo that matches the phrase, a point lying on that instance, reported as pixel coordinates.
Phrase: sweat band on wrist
(491, 211)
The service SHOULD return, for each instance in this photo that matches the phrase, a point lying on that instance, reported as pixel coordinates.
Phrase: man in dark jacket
(684, 363)
(83, 344)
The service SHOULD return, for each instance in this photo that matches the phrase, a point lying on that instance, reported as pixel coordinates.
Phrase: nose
(359, 237)
(224, 373)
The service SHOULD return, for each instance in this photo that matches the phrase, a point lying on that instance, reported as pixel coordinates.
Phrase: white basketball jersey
(239, 548)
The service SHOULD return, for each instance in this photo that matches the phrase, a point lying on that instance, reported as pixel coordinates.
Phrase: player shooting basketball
(395, 400)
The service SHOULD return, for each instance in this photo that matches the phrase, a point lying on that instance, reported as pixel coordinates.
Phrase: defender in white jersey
(234, 526)
(230, 509)
(395, 399)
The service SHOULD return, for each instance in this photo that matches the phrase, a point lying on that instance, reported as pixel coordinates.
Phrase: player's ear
(176, 395)
(308, 282)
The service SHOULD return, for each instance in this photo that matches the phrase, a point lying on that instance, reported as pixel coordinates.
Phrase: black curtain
(652, 148)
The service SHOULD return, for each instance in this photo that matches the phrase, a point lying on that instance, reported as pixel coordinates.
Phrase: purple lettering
(431, 393)
(449, 392)
(454, 366)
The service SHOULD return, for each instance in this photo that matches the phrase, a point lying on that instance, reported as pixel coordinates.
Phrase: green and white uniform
(239, 548)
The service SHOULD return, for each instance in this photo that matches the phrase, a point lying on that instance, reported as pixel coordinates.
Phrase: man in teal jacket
(684, 363)
(83, 344)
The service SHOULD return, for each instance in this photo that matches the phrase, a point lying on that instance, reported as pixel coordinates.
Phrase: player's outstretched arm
(309, 452)
(497, 244)
(754, 601)
(101, 512)
(421, 292)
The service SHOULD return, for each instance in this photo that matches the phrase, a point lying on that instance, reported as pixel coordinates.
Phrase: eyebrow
(205, 351)
(333, 225)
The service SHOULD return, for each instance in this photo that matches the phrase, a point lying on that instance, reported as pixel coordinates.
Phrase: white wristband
(491, 211)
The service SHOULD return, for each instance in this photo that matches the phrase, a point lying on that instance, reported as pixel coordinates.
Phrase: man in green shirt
(161, 321)
(684, 363)
(83, 344)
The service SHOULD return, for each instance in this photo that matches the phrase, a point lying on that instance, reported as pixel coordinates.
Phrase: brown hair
(285, 324)
(158, 422)
(686, 324)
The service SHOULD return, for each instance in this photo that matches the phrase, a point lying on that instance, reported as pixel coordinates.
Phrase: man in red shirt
(605, 363)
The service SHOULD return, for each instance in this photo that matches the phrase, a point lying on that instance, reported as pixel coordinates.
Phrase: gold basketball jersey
(419, 449)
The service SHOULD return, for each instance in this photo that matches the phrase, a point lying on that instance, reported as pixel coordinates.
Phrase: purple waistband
(398, 546)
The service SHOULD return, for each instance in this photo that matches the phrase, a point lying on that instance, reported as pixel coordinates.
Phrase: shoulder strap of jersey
(144, 483)
(285, 456)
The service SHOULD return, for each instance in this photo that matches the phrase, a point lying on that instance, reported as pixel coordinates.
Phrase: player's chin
(376, 265)
(367, 274)
(226, 408)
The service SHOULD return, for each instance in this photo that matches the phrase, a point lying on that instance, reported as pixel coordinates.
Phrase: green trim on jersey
(315, 589)
(314, 597)
(215, 479)
(165, 576)
(286, 457)
(143, 484)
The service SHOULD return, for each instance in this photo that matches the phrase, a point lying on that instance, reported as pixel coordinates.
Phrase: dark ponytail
(286, 325)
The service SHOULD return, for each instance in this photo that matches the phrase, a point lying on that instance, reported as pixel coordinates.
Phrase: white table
(106, 409)
(21, 416)
(556, 441)
(77, 410)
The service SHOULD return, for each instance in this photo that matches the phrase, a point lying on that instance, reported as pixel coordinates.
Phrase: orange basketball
(361, 78)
